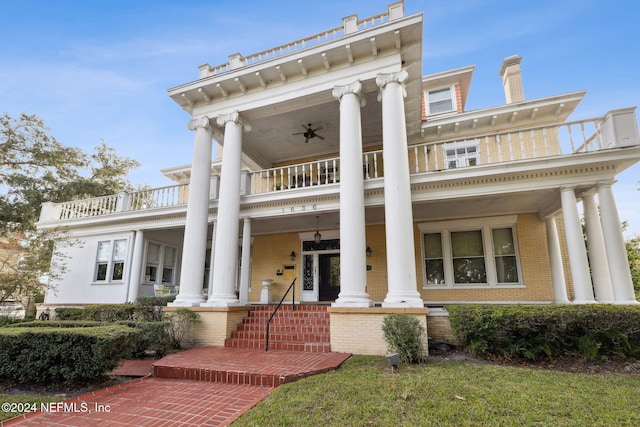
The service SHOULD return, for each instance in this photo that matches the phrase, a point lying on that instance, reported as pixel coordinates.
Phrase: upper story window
(461, 154)
(441, 101)
(110, 260)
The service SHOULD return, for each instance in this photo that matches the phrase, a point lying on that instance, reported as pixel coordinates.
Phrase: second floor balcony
(616, 130)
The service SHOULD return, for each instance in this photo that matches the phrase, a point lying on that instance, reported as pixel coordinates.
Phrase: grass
(364, 392)
(28, 401)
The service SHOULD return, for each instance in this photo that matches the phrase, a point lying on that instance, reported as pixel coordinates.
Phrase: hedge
(532, 332)
(63, 355)
(153, 335)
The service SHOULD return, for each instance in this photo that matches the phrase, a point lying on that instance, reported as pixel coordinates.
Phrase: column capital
(354, 88)
(398, 77)
(234, 117)
(200, 122)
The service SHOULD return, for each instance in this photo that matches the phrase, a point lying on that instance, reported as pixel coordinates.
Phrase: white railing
(542, 141)
(298, 45)
(145, 199)
(501, 147)
(302, 175)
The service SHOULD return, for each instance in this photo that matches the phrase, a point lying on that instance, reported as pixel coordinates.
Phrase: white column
(225, 266)
(577, 252)
(597, 253)
(246, 260)
(401, 263)
(195, 231)
(555, 261)
(353, 246)
(136, 267)
(614, 243)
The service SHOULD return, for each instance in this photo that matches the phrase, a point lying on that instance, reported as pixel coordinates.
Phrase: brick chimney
(512, 79)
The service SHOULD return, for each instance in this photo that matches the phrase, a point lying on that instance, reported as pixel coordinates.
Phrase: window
(110, 261)
(471, 253)
(160, 264)
(441, 101)
(461, 154)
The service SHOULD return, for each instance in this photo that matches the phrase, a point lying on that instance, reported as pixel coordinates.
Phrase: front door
(329, 276)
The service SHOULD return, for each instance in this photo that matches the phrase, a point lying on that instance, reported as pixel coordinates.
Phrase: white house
(333, 161)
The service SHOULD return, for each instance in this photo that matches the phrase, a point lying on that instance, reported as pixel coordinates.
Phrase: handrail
(293, 303)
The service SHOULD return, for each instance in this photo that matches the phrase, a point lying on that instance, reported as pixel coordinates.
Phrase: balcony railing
(499, 147)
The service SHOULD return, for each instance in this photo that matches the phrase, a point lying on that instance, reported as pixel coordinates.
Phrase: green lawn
(29, 402)
(364, 392)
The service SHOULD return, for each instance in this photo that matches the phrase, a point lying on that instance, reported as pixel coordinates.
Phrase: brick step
(295, 336)
(276, 327)
(288, 307)
(315, 347)
(286, 319)
(290, 315)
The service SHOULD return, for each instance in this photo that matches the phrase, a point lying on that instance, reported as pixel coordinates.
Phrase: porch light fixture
(317, 237)
(292, 256)
(368, 251)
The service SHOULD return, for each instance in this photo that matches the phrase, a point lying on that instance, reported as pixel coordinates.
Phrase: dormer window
(441, 101)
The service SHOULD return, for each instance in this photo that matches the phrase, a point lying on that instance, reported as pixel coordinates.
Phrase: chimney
(512, 79)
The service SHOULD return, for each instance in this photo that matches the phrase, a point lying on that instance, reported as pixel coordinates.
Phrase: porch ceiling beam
(303, 69)
(559, 109)
(282, 76)
(374, 48)
(474, 124)
(186, 98)
(349, 53)
(325, 60)
(204, 94)
(513, 117)
(398, 42)
(456, 126)
(533, 114)
(260, 79)
(493, 120)
(222, 91)
(240, 85)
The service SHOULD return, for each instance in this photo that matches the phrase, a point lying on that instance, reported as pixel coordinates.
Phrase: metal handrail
(293, 303)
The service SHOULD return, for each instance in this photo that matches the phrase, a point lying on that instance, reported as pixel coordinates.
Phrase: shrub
(153, 337)
(149, 307)
(109, 312)
(180, 322)
(56, 355)
(69, 313)
(532, 332)
(403, 334)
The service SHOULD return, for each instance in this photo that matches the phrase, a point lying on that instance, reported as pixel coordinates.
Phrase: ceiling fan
(309, 133)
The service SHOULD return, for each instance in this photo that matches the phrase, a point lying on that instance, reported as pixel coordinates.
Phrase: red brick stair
(305, 329)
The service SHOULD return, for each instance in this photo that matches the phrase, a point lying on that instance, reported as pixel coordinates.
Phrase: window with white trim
(461, 154)
(160, 264)
(441, 101)
(110, 260)
(471, 253)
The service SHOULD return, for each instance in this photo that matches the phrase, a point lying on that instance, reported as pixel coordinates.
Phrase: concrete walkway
(208, 386)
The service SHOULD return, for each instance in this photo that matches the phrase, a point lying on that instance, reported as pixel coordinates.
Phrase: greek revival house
(334, 162)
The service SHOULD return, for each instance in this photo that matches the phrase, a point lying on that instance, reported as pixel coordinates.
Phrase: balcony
(617, 129)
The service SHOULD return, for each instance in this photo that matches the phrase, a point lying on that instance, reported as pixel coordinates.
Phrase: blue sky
(100, 69)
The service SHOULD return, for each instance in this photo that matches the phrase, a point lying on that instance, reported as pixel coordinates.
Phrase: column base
(354, 299)
(403, 299)
(187, 301)
(222, 301)
(629, 302)
(586, 301)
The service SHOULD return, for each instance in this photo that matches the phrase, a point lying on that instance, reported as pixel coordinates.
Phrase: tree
(36, 168)
(633, 253)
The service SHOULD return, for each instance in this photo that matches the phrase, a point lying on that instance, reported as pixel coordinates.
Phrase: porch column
(401, 263)
(195, 231)
(246, 260)
(555, 261)
(136, 267)
(597, 252)
(577, 253)
(614, 244)
(225, 264)
(353, 246)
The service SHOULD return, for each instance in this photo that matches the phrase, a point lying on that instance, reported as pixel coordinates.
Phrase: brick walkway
(208, 386)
